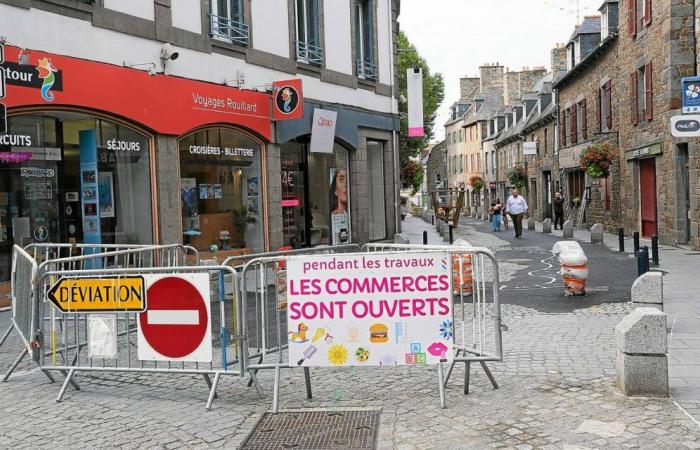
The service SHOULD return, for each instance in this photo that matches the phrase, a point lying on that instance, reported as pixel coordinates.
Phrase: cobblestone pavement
(556, 391)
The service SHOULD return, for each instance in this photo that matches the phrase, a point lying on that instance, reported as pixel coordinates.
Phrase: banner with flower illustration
(381, 309)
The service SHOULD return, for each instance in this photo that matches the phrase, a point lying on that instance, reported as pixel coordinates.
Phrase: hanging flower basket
(597, 159)
(517, 177)
(477, 183)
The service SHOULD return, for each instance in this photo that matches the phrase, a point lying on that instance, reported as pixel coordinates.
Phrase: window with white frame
(604, 24)
(308, 31)
(228, 21)
(364, 39)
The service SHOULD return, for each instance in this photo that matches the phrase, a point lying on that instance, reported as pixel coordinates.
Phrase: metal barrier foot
(7, 333)
(65, 385)
(212, 391)
(276, 392)
(208, 381)
(49, 376)
(72, 381)
(467, 369)
(307, 380)
(441, 387)
(15, 364)
(254, 381)
(452, 366)
(489, 374)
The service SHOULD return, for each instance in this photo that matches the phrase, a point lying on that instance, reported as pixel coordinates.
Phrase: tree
(433, 94)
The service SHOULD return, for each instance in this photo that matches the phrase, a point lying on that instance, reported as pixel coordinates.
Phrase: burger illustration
(378, 333)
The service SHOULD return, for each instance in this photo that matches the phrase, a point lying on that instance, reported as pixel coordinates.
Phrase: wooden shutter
(633, 98)
(574, 125)
(632, 18)
(649, 91)
(584, 120)
(647, 13)
(608, 105)
(562, 127)
(599, 108)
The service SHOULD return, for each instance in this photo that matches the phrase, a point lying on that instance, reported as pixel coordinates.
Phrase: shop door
(647, 194)
(294, 214)
(547, 191)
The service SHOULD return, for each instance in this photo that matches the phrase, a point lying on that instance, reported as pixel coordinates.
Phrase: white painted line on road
(173, 317)
(690, 416)
(670, 334)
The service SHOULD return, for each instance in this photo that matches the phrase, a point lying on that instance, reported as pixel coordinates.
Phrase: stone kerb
(648, 290)
(547, 226)
(568, 229)
(642, 366)
(597, 231)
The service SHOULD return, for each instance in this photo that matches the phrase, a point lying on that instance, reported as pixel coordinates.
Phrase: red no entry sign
(176, 325)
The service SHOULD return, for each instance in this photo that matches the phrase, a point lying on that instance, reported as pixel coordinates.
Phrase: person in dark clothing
(558, 206)
(495, 210)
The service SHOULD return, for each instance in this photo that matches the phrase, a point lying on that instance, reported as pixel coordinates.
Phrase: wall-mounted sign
(323, 131)
(125, 146)
(207, 150)
(685, 126)
(529, 148)
(643, 152)
(415, 102)
(43, 76)
(16, 140)
(41, 233)
(690, 90)
(90, 294)
(288, 100)
(3, 120)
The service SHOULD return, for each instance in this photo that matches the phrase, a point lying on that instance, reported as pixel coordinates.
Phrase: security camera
(168, 52)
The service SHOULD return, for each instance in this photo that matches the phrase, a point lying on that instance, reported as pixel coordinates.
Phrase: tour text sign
(685, 125)
(382, 309)
(91, 294)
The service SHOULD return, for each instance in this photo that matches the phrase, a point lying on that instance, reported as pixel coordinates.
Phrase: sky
(457, 36)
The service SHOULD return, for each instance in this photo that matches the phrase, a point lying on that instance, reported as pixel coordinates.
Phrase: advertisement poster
(342, 310)
(188, 195)
(340, 215)
(414, 78)
(106, 194)
(38, 191)
(323, 131)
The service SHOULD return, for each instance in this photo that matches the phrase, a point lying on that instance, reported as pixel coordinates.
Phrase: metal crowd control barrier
(30, 283)
(172, 255)
(477, 333)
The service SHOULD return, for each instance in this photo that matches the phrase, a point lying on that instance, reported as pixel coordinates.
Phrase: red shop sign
(163, 103)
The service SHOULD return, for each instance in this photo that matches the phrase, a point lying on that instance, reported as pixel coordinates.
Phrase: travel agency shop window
(73, 177)
(221, 190)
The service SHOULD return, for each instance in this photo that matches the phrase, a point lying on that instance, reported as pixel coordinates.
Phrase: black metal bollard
(425, 238)
(655, 249)
(642, 261)
(451, 237)
(635, 237)
(432, 220)
(621, 238)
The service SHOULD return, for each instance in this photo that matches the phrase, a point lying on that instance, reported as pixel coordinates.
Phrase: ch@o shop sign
(369, 309)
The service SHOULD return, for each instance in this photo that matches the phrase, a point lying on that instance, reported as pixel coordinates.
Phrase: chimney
(491, 78)
(468, 87)
(558, 59)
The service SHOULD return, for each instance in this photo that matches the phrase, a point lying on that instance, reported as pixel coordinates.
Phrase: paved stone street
(556, 385)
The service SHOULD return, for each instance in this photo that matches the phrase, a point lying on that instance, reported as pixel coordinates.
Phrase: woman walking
(496, 208)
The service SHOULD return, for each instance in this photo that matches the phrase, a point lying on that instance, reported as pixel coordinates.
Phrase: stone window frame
(642, 90)
(604, 102)
(639, 17)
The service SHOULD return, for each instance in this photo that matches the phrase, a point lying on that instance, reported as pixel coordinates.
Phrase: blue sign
(690, 92)
(90, 202)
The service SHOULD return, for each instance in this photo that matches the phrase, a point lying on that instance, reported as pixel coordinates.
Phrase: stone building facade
(436, 169)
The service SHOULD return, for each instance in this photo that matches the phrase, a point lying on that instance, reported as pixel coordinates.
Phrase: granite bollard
(597, 233)
(642, 366)
(530, 223)
(547, 226)
(648, 290)
(568, 229)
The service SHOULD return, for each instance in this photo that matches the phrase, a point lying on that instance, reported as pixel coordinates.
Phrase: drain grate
(327, 429)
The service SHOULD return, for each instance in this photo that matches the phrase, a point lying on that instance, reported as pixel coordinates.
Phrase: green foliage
(597, 159)
(433, 94)
(412, 176)
(517, 177)
(477, 183)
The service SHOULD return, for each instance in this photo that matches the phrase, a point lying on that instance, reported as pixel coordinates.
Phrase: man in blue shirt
(516, 206)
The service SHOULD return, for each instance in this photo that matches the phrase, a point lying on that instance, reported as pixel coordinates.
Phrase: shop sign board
(529, 148)
(643, 152)
(685, 125)
(690, 90)
(323, 131)
(3, 119)
(288, 100)
(177, 324)
(91, 294)
(369, 310)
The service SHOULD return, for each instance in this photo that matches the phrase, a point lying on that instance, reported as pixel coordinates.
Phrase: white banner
(529, 148)
(415, 102)
(323, 131)
(369, 310)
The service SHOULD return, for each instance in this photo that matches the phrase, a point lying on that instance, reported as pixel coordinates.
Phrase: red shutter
(649, 90)
(562, 128)
(599, 108)
(647, 13)
(608, 105)
(584, 120)
(632, 18)
(633, 98)
(574, 125)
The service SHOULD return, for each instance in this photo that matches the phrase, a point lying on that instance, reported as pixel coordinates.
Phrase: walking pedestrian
(558, 206)
(496, 208)
(516, 206)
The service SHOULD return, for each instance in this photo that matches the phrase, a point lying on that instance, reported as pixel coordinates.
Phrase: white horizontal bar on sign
(173, 317)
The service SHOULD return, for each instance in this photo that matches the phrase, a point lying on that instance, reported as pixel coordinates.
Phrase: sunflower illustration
(338, 355)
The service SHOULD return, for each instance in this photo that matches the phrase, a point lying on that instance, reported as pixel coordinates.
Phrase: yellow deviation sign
(112, 294)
